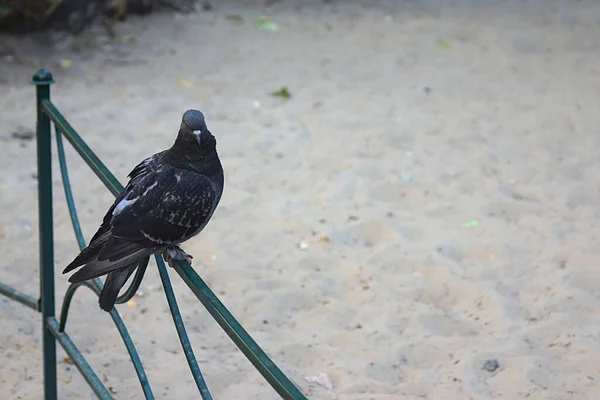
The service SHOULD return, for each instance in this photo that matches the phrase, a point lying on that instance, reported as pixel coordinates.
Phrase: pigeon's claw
(176, 253)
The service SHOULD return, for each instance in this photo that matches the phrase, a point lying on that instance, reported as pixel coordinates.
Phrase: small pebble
(491, 365)
(450, 252)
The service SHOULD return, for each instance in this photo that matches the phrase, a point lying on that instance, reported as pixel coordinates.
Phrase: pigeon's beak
(198, 135)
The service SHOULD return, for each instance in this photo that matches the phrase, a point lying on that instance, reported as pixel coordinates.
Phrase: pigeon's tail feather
(87, 254)
(116, 249)
(113, 284)
(96, 268)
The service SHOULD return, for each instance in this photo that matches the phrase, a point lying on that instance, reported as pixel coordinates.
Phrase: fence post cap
(42, 77)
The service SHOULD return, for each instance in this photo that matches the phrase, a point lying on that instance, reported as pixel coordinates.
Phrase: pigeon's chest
(205, 208)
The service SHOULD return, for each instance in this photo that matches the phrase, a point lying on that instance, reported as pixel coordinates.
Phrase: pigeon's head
(194, 131)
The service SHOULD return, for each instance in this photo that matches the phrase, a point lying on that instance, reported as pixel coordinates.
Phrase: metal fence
(54, 329)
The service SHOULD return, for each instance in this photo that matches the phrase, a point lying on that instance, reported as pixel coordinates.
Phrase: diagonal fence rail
(54, 329)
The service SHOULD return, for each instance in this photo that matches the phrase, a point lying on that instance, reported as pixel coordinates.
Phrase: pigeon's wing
(136, 182)
(160, 207)
(140, 176)
(176, 206)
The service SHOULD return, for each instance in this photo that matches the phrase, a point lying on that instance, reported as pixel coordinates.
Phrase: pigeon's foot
(175, 253)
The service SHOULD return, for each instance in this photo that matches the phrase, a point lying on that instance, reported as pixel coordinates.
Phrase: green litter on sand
(472, 223)
(283, 93)
(265, 23)
(235, 18)
(444, 45)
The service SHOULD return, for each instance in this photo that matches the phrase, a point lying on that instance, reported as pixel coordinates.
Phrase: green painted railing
(54, 330)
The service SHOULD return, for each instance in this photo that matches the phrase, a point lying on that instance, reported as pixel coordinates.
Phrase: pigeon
(170, 197)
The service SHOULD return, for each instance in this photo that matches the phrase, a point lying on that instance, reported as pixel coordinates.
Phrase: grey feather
(96, 268)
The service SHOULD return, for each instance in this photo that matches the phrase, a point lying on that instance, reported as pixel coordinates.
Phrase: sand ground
(450, 153)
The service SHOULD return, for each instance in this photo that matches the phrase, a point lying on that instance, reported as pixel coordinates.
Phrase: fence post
(43, 79)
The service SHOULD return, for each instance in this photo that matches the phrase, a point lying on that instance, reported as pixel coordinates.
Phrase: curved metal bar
(135, 283)
(133, 354)
(64, 311)
(96, 284)
(181, 332)
(64, 173)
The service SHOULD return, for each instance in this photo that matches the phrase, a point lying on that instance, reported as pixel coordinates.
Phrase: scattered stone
(322, 379)
(450, 251)
(491, 365)
(23, 134)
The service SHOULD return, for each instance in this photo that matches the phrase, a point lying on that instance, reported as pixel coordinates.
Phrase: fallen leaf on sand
(67, 360)
(284, 93)
(444, 45)
(235, 18)
(573, 127)
(472, 223)
(65, 63)
(265, 23)
(181, 81)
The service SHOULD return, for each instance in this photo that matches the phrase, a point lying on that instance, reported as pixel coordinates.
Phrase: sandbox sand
(425, 202)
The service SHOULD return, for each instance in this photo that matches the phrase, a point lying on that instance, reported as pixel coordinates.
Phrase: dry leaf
(65, 63)
(67, 360)
(235, 18)
(444, 45)
(265, 23)
(573, 127)
(282, 92)
(181, 81)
